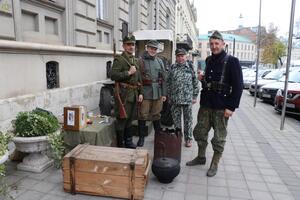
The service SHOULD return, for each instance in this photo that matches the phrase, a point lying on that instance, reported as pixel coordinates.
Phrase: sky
(224, 14)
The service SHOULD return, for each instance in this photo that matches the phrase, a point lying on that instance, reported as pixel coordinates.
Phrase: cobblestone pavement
(260, 162)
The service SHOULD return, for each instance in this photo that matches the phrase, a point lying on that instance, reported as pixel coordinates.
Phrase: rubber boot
(120, 139)
(212, 171)
(128, 139)
(200, 159)
(141, 130)
(156, 126)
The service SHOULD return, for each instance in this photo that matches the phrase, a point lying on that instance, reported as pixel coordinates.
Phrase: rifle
(122, 111)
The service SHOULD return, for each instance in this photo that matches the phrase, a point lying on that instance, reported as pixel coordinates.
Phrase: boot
(212, 171)
(156, 126)
(141, 130)
(200, 159)
(128, 139)
(120, 139)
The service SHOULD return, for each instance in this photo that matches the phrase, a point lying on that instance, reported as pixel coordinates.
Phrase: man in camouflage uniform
(154, 89)
(222, 89)
(126, 73)
(183, 89)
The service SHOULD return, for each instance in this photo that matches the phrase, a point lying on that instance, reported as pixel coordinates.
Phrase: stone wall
(52, 100)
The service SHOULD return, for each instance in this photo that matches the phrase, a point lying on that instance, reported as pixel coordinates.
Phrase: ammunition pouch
(221, 88)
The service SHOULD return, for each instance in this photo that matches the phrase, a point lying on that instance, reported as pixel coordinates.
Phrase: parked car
(252, 75)
(292, 101)
(269, 91)
(271, 77)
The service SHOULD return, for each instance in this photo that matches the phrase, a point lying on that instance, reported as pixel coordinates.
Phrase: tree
(273, 48)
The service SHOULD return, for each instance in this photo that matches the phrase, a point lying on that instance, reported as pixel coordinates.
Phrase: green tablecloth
(101, 134)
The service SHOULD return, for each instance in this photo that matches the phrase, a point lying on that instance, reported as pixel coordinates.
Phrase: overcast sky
(224, 15)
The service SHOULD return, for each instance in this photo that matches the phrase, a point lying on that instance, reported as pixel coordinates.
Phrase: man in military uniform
(126, 74)
(222, 86)
(154, 89)
(183, 89)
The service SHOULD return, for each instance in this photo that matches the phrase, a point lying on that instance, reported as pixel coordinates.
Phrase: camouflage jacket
(119, 73)
(153, 77)
(182, 84)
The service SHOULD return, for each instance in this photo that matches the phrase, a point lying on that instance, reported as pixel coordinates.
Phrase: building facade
(55, 52)
(186, 30)
(241, 47)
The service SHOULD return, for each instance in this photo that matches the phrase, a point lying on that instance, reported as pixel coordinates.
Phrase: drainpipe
(157, 14)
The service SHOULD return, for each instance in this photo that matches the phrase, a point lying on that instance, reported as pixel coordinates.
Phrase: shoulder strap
(225, 60)
(192, 68)
(125, 60)
(161, 63)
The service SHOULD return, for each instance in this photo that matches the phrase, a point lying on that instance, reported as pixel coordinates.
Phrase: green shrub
(57, 148)
(4, 140)
(35, 123)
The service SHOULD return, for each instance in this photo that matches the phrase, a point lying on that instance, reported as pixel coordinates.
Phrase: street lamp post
(258, 50)
(288, 63)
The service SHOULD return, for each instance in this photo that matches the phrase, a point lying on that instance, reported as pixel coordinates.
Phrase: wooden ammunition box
(106, 171)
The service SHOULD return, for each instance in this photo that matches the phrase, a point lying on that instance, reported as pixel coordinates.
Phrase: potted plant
(31, 136)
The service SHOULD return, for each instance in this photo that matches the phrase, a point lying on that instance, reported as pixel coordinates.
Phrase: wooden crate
(106, 171)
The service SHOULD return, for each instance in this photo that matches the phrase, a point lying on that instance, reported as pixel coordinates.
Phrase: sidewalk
(259, 162)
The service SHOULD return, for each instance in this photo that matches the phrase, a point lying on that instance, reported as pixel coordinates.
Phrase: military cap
(216, 35)
(153, 43)
(180, 51)
(129, 39)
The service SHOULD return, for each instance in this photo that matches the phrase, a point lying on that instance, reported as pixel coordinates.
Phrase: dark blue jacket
(233, 78)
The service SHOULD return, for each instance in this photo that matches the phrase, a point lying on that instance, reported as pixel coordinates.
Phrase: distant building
(249, 32)
(241, 47)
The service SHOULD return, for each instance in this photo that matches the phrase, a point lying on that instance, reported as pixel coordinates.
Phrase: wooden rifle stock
(122, 111)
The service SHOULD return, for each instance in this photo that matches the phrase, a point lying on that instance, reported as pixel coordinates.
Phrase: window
(30, 21)
(101, 9)
(51, 26)
(106, 37)
(99, 36)
(52, 75)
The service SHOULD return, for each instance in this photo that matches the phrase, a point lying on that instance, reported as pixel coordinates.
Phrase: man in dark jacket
(126, 74)
(222, 86)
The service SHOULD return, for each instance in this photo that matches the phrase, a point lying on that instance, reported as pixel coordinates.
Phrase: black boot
(200, 159)
(212, 171)
(141, 130)
(120, 139)
(128, 139)
(156, 126)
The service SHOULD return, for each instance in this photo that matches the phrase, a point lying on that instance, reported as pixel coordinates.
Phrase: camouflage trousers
(186, 109)
(210, 118)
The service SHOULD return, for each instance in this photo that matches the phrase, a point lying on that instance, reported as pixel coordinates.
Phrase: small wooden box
(74, 117)
(106, 171)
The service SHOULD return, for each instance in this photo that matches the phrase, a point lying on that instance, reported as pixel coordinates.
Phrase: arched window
(52, 74)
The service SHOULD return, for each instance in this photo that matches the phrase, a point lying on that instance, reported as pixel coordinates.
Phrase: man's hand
(163, 98)
(132, 70)
(200, 75)
(228, 113)
(140, 98)
(194, 101)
